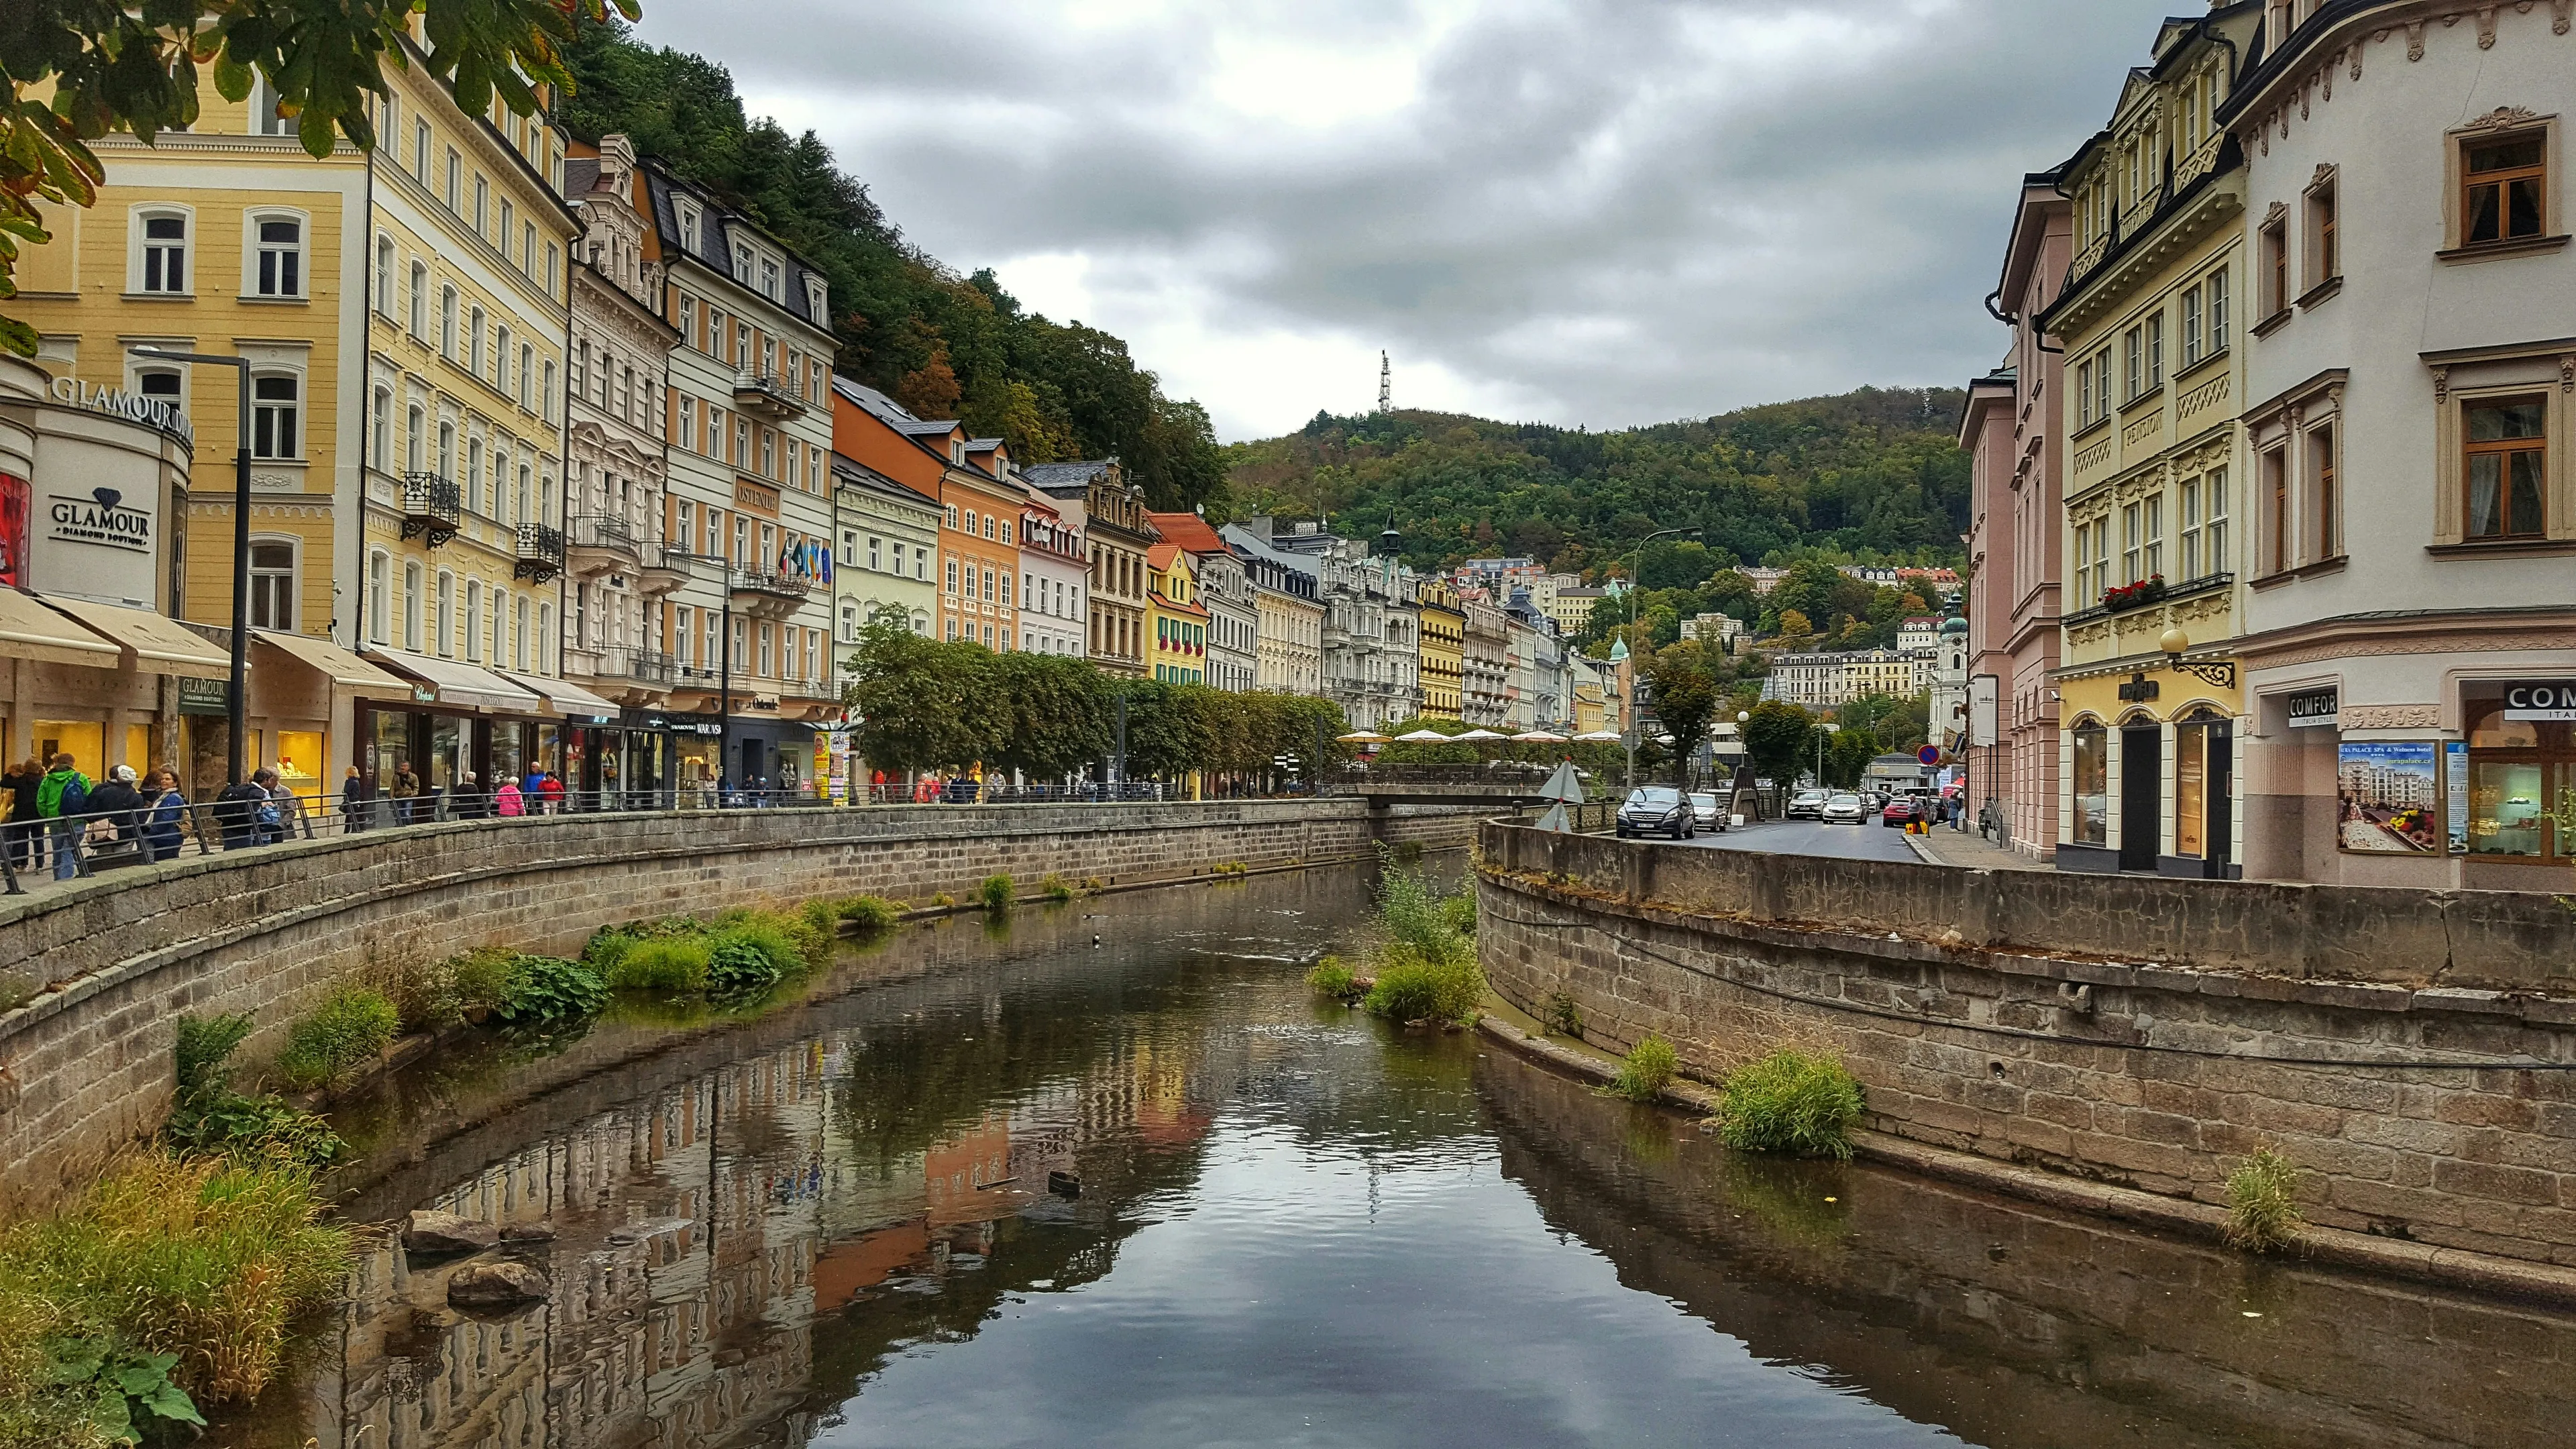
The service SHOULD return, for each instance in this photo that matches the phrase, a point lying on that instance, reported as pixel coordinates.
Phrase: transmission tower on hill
(1385, 384)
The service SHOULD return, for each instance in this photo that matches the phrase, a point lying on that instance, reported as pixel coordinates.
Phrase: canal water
(1011, 1187)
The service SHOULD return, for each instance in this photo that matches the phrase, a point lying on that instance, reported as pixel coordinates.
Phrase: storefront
(604, 764)
(459, 720)
(2149, 761)
(304, 700)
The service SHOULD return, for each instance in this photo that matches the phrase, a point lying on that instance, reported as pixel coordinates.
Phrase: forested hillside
(1873, 476)
(944, 345)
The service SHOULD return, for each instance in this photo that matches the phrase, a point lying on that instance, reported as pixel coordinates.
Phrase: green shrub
(672, 965)
(1056, 888)
(606, 947)
(480, 979)
(1650, 1067)
(1333, 977)
(942, 901)
(2263, 1205)
(996, 893)
(821, 916)
(548, 991)
(16, 990)
(207, 1115)
(1792, 1102)
(870, 913)
(1411, 987)
(1564, 1015)
(1416, 915)
(738, 965)
(353, 1025)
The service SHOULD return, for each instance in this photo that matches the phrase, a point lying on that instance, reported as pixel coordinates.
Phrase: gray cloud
(1601, 212)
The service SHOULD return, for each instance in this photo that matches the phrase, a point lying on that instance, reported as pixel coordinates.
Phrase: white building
(1054, 569)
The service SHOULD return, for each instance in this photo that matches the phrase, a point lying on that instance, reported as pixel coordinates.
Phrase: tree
(1685, 695)
(1777, 739)
(1794, 624)
(1847, 757)
(1049, 715)
(1809, 589)
(923, 705)
(118, 68)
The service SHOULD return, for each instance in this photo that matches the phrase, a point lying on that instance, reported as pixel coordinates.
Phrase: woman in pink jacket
(507, 802)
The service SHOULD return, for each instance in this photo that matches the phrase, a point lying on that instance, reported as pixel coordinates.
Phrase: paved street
(1805, 837)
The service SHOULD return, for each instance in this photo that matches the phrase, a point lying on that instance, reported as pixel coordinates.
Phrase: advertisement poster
(2455, 755)
(2386, 794)
(15, 499)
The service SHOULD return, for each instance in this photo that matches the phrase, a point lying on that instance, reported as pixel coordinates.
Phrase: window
(161, 383)
(2276, 266)
(445, 619)
(741, 541)
(688, 227)
(447, 322)
(265, 117)
(527, 372)
(689, 320)
(509, 223)
(378, 568)
(2091, 779)
(2129, 545)
(542, 655)
(165, 254)
(2191, 328)
(952, 576)
(768, 454)
(280, 257)
(2187, 514)
(547, 393)
(474, 342)
(898, 557)
(2084, 393)
(272, 416)
(2276, 511)
(2153, 511)
(2325, 259)
(380, 443)
(2101, 384)
(2155, 352)
(2324, 503)
(415, 429)
(272, 585)
(2503, 189)
(769, 279)
(2508, 455)
(419, 301)
(920, 562)
(2217, 288)
(420, 151)
(482, 206)
(411, 607)
(875, 556)
(455, 179)
(2133, 374)
(474, 620)
(2214, 526)
(988, 525)
(446, 449)
(471, 485)
(385, 277)
(741, 454)
(554, 261)
(689, 423)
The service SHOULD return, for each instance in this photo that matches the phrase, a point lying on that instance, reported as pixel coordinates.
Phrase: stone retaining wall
(85, 1066)
(2181, 1026)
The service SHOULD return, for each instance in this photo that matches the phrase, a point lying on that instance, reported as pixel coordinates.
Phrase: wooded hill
(1872, 476)
(942, 344)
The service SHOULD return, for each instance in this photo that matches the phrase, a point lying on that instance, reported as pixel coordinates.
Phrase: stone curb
(2444, 1267)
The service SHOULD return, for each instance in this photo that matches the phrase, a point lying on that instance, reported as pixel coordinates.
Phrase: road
(1871, 841)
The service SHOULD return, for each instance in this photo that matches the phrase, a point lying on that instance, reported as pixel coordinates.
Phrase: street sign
(1929, 754)
(1562, 786)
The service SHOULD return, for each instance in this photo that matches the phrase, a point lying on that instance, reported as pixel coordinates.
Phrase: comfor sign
(2540, 700)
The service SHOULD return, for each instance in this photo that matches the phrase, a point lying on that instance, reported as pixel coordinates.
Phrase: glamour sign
(2540, 699)
(152, 412)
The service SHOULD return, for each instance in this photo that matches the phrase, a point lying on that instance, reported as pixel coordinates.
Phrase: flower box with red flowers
(2134, 596)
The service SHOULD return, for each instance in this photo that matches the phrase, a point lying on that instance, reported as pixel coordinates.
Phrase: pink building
(2013, 589)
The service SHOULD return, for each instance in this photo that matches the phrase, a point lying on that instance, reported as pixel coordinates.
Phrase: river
(992, 1186)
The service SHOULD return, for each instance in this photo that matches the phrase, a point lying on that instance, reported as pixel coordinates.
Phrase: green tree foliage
(1778, 739)
(944, 345)
(1847, 756)
(118, 67)
(925, 705)
(1874, 475)
(1687, 680)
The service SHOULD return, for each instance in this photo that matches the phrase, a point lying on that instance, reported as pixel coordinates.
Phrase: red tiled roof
(1188, 530)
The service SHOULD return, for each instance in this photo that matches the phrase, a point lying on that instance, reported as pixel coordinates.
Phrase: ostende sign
(2540, 700)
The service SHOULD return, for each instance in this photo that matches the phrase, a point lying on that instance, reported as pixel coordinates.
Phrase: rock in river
(430, 1232)
(495, 1285)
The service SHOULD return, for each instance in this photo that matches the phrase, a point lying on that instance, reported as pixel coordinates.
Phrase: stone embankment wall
(2147, 1032)
(85, 1065)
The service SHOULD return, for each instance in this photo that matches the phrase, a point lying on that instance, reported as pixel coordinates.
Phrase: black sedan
(1656, 810)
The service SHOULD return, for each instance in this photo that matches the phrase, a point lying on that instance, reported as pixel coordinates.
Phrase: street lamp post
(236, 703)
(1633, 691)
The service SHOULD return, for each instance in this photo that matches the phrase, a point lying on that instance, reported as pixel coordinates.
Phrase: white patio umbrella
(1480, 735)
(1423, 737)
(1537, 737)
(1598, 737)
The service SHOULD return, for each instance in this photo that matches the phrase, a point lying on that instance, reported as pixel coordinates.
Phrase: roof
(713, 252)
(849, 472)
(1061, 475)
(1188, 530)
(1160, 556)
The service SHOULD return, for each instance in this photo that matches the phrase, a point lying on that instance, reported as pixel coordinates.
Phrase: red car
(1902, 811)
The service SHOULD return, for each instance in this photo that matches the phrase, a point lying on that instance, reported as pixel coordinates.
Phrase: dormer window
(769, 280)
(688, 227)
(742, 264)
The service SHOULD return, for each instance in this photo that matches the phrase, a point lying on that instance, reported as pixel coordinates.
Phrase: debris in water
(1064, 1184)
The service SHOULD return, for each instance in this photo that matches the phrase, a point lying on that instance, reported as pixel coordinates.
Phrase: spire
(1385, 384)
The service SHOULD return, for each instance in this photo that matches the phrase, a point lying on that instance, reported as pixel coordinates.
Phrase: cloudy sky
(1597, 212)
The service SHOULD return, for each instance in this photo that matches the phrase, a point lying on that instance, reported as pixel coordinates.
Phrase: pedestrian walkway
(1968, 850)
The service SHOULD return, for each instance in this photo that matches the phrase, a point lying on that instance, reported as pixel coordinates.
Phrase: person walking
(354, 796)
(25, 832)
(406, 791)
(115, 829)
(61, 799)
(508, 802)
(164, 807)
(465, 802)
(551, 791)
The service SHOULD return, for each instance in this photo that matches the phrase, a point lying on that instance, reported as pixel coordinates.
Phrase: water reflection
(1032, 1191)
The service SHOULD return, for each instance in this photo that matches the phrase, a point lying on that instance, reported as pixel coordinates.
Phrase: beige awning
(462, 685)
(344, 669)
(150, 641)
(29, 630)
(568, 698)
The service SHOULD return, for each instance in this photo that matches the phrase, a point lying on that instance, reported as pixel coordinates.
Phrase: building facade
(1288, 611)
(889, 562)
(2010, 429)
(2411, 645)
(1444, 647)
(1225, 591)
(1117, 536)
(979, 549)
(1485, 667)
(1055, 573)
(2148, 687)
(1176, 623)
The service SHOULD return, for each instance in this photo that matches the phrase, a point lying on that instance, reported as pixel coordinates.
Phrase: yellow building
(2148, 689)
(404, 313)
(1444, 648)
(1176, 623)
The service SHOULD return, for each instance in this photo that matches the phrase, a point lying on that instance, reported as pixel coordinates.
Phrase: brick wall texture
(2146, 1032)
(85, 1065)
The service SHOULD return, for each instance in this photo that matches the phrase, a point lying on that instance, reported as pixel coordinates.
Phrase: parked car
(1844, 810)
(1707, 812)
(1655, 810)
(1807, 804)
(1902, 811)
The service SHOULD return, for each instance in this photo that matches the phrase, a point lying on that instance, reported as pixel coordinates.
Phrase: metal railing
(767, 392)
(644, 666)
(766, 581)
(432, 505)
(541, 552)
(601, 530)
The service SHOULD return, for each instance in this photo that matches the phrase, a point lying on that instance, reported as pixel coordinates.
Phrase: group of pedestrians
(539, 792)
(57, 812)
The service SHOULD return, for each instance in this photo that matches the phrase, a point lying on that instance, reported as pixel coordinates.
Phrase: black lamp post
(236, 704)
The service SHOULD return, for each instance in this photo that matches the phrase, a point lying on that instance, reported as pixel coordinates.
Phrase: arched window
(474, 342)
(419, 300)
(272, 584)
(500, 619)
(411, 607)
(447, 322)
(380, 446)
(474, 620)
(520, 514)
(519, 636)
(385, 277)
(546, 394)
(278, 256)
(415, 437)
(471, 485)
(501, 359)
(527, 376)
(161, 251)
(446, 450)
(274, 414)
(379, 567)
(541, 653)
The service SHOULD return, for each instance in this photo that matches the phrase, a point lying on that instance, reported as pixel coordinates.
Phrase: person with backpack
(62, 797)
(115, 826)
(238, 807)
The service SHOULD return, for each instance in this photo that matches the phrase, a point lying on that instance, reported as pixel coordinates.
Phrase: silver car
(1845, 810)
(1706, 811)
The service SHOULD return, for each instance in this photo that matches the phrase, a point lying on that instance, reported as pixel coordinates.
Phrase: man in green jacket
(61, 799)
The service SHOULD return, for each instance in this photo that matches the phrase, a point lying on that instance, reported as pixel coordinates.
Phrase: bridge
(1507, 783)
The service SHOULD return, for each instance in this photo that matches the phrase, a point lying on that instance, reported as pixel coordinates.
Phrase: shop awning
(162, 645)
(462, 685)
(344, 669)
(29, 630)
(566, 697)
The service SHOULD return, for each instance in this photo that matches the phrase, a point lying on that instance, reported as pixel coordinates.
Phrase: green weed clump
(353, 1025)
(1791, 1102)
(2263, 1204)
(943, 901)
(670, 966)
(1564, 1015)
(1413, 987)
(549, 992)
(1333, 977)
(208, 1116)
(750, 955)
(1651, 1066)
(996, 893)
(871, 913)
(1056, 888)
(171, 1285)
(821, 916)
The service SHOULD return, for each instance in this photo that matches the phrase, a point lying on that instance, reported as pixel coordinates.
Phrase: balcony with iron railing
(601, 543)
(648, 667)
(767, 396)
(666, 566)
(432, 506)
(540, 552)
(767, 593)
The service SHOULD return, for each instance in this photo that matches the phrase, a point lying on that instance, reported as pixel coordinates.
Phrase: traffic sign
(1929, 754)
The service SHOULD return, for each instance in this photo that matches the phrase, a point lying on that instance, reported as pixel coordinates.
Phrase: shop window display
(2518, 771)
(2092, 785)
